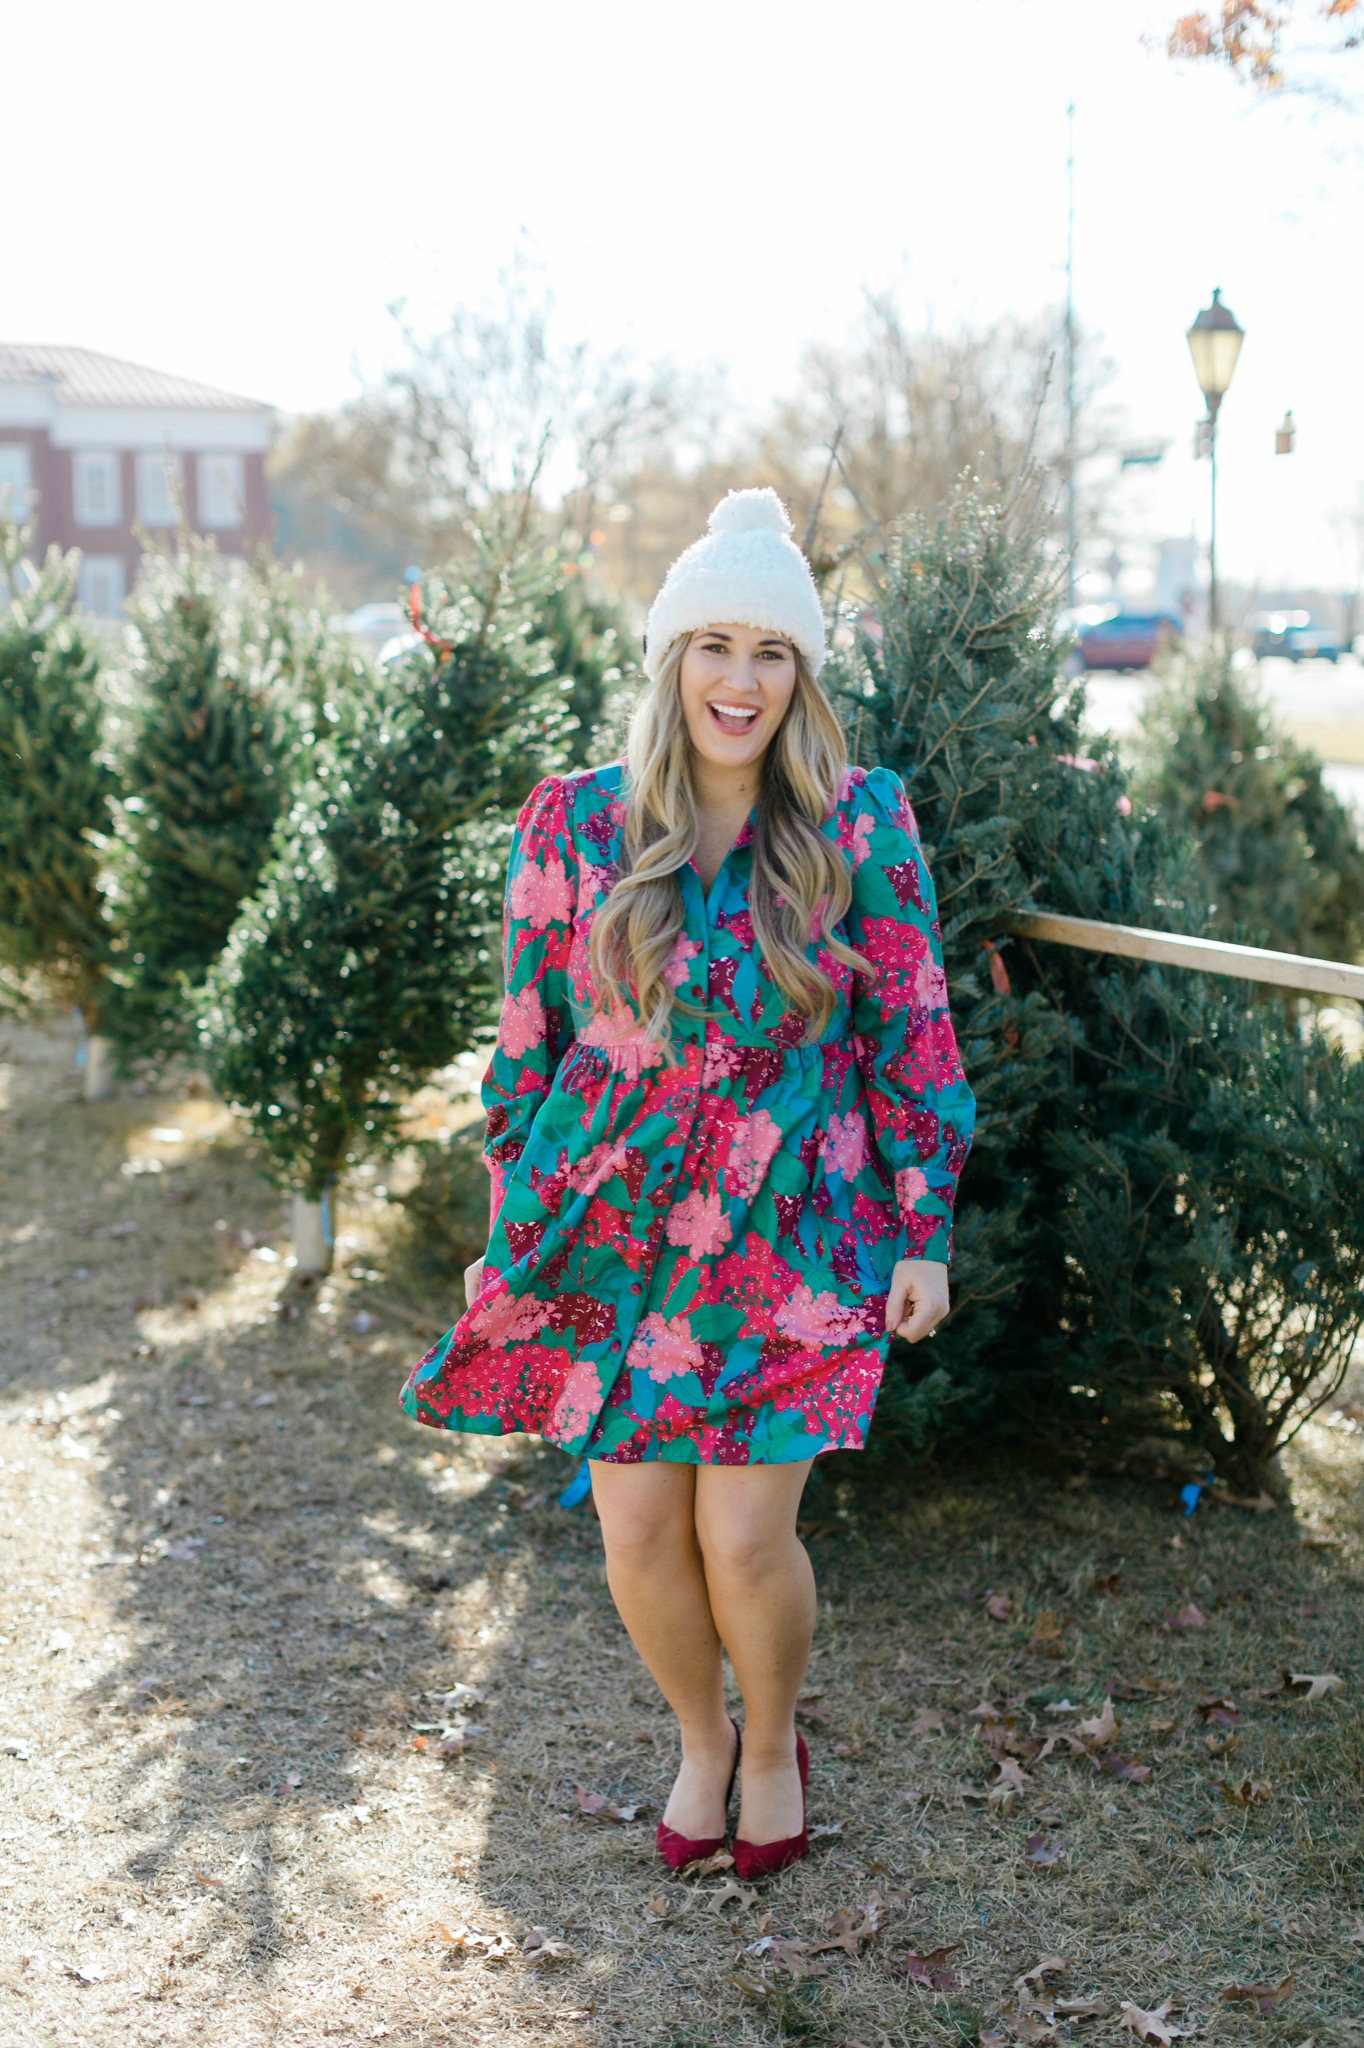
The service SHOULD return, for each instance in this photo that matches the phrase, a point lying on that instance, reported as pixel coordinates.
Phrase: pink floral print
(691, 1261)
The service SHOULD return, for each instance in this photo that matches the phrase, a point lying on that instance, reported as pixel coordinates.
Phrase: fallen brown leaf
(1100, 1727)
(1250, 1792)
(1221, 1744)
(1155, 2025)
(1110, 1584)
(1266, 1998)
(1218, 1707)
(1045, 1966)
(1127, 1770)
(1082, 2008)
(478, 1940)
(999, 1606)
(538, 1946)
(791, 1956)
(707, 1866)
(1046, 1635)
(1042, 1852)
(1189, 1616)
(597, 1806)
(1012, 1780)
(928, 1969)
(850, 1930)
(928, 1721)
(729, 1891)
(1319, 1684)
(1066, 1735)
(1027, 2024)
(1134, 1689)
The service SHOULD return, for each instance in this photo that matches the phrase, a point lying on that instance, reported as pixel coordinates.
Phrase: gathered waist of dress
(719, 1054)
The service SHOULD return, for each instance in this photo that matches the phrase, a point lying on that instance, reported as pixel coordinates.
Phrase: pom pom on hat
(750, 512)
(744, 570)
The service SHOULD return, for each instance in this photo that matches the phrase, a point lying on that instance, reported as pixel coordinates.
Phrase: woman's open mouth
(734, 717)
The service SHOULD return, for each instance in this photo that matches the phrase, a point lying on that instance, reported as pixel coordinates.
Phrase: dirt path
(243, 1598)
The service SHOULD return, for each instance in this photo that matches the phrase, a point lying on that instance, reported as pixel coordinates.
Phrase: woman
(726, 1119)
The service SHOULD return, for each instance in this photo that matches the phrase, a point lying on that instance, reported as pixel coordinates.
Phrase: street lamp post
(1214, 343)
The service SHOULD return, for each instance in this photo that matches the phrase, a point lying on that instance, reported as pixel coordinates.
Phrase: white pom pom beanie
(745, 570)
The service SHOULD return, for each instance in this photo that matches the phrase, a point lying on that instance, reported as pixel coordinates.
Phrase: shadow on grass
(310, 1581)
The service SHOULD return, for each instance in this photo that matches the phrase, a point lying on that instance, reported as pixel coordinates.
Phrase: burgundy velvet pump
(760, 1859)
(679, 1850)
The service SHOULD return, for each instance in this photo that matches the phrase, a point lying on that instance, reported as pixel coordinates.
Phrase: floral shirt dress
(692, 1263)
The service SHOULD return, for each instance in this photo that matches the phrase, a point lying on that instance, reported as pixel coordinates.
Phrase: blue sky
(238, 194)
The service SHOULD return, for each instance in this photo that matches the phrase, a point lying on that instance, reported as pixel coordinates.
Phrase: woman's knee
(746, 1517)
(644, 1522)
(745, 1544)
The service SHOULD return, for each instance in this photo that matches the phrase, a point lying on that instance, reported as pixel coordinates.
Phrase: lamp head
(1214, 343)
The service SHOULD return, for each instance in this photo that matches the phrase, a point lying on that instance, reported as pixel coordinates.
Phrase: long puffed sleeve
(923, 1112)
(536, 1025)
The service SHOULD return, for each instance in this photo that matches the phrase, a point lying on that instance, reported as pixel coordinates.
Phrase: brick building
(90, 447)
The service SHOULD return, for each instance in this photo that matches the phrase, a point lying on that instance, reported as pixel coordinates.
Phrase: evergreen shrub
(1280, 856)
(369, 955)
(56, 786)
(1162, 1229)
(205, 774)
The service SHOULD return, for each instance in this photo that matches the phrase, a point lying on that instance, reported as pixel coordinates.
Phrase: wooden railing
(1212, 956)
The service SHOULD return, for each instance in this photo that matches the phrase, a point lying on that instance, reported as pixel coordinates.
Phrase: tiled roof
(82, 377)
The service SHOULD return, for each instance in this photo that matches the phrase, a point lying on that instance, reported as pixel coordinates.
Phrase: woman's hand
(473, 1280)
(917, 1301)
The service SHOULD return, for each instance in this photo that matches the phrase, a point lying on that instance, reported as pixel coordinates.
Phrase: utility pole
(1070, 354)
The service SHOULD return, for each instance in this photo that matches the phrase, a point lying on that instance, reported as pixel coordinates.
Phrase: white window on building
(102, 584)
(98, 489)
(222, 490)
(16, 480)
(157, 476)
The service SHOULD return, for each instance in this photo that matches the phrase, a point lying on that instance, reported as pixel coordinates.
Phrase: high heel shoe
(760, 1859)
(679, 1850)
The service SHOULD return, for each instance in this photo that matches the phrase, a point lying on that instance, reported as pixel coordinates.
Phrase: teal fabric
(691, 1261)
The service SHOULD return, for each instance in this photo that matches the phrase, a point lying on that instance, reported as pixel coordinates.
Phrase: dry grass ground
(243, 1594)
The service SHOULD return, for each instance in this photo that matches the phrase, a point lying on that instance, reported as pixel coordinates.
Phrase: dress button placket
(673, 1154)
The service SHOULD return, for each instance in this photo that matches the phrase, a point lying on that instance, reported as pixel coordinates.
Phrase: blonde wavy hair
(798, 876)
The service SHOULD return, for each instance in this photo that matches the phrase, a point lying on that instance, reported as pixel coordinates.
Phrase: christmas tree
(318, 666)
(593, 650)
(1280, 856)
(56, 791)
(369, 954)
(205, 775)
(952, 682)
(1161, 1224)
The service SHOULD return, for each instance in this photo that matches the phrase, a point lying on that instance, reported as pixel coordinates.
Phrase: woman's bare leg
(762, 1596)
(653, 1567)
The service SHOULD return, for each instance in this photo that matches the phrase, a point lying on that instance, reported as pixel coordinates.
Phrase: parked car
(1129, 640)
(1293, 637)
